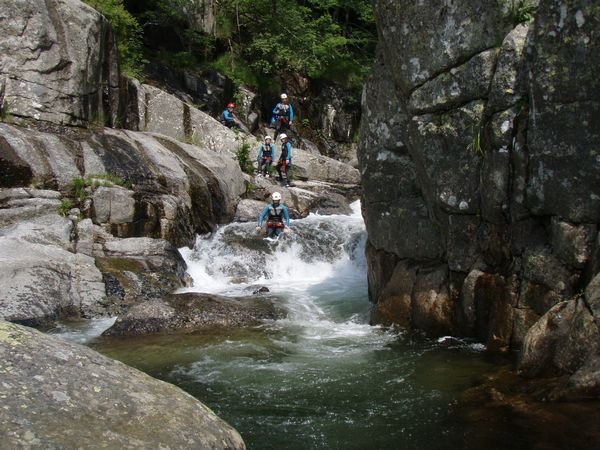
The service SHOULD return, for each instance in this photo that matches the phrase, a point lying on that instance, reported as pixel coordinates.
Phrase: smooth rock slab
(56, 394)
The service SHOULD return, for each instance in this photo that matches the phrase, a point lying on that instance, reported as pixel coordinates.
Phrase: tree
(310, 37)
(128, 34)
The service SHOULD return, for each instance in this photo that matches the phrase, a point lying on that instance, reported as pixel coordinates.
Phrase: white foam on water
(318, 272)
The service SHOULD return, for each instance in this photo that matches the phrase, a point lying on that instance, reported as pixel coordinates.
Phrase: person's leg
(271, 231)
(288, 166)
(285, 180)
(278, 167)
(268, 167)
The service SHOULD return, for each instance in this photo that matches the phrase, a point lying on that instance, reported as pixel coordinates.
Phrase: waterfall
(318, 271)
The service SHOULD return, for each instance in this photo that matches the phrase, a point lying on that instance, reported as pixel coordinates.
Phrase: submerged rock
(505, 410)
(61, 395)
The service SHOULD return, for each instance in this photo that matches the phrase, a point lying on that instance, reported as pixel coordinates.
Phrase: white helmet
(269, 138)
(276, 196)
(283, 136)
(283, 96)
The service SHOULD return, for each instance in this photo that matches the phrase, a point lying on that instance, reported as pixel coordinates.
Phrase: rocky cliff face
(58, 62)
(479, 160)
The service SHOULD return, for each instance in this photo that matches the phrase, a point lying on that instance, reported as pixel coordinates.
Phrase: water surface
(322, 378)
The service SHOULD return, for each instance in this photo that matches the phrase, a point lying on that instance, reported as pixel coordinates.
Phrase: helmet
(283, 136)
(283, 96)
(276, 196)
(269, 138)
(231, 105)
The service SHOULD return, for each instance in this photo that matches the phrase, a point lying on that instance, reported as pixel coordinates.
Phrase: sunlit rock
(61, 395)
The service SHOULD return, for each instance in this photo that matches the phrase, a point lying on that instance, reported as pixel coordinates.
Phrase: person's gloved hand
(258, 228)
(286, 230)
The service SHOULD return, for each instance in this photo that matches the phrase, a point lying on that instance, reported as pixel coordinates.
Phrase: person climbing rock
(285, 160)
(283, 116)
(229, 119)
(276, 214)
(266, 154)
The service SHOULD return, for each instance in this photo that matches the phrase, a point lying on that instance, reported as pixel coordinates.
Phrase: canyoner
(277, 218)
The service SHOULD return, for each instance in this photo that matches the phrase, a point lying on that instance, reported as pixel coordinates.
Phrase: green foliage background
(254, 40)
(128, 33)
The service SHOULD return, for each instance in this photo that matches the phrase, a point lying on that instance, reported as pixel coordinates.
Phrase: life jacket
(227, 121)
(275, 217)
(283, 113)
(267, 154)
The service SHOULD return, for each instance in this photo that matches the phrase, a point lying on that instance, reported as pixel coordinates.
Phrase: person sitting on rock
(266, 154)
(283, 116)
(285, 159)
(229, 119)
(276, 214)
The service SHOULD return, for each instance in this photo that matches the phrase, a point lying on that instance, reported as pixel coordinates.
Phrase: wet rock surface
(194, 311)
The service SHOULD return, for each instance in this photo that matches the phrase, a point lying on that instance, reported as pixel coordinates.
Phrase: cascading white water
(318, 271)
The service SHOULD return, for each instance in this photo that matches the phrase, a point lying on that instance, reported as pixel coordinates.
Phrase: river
(322, 378)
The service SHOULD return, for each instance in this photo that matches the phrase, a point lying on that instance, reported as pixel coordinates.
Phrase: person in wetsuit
(285, 160)
(266, 154)
(276, 215)
(282, 116)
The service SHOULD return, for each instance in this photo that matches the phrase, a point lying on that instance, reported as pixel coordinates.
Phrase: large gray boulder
(52, 267)
(478, 153)
(163, 113)
(61, 395)
(171, 189)
(193, 311)
(42, 277)
(58, 62)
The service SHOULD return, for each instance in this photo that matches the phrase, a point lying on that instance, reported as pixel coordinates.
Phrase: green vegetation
(65, 206)
(475, 145)
(330, 39)
(243, 158)
(251, 41)
(128, 33)
(522, 11)
(80, 185)
(5, 115)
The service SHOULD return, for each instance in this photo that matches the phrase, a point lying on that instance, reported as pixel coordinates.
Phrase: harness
(283, 113)
(267, 154)
(275, 217)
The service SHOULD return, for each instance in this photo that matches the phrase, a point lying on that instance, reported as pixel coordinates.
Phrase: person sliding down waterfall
(285, 160)
(278, 219)
(266, 154)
